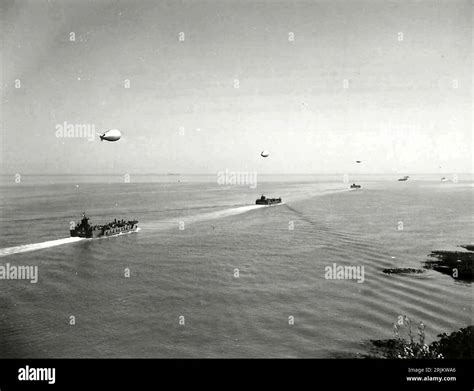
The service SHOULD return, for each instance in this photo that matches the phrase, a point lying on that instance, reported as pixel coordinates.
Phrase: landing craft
(267, 201)
(110, 135)
(86, 230)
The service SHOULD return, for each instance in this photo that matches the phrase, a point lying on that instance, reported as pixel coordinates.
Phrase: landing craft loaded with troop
(85, 230)
(267, 201)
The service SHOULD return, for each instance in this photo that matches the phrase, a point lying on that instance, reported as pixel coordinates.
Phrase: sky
(205, 86)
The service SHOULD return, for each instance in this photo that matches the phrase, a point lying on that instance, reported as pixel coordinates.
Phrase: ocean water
(194, 235)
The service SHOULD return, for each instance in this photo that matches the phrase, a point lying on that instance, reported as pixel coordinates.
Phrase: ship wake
(37, 246)
(167, 224)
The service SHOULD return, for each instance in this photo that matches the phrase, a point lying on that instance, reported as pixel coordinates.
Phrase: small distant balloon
(110, 135)
(265, 154)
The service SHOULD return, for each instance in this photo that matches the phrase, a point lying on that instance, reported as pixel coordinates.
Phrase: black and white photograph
(210, 180)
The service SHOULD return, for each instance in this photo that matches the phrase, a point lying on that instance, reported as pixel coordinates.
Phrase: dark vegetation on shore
(457, 345)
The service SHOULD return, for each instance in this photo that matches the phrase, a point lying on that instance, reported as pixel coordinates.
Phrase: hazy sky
(407, 105)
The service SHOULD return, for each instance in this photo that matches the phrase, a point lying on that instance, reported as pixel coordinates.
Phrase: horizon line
(214, 173)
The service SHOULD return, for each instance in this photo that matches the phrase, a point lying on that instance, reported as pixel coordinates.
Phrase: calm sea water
(190, 272)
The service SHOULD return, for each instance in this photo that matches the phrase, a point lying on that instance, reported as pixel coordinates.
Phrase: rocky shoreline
(457, 264)
(457, 345)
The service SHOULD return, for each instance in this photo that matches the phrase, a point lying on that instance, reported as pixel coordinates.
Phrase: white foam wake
(37, 246)
(223, 213)
(166, 224)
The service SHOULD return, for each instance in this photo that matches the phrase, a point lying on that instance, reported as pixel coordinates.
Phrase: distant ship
(405, 178)
(85, 230)
(354, 186)
(444, 179)
(267, 201)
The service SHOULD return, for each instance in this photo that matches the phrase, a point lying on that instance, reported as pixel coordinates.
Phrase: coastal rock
(457, 264)
(403, 270)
